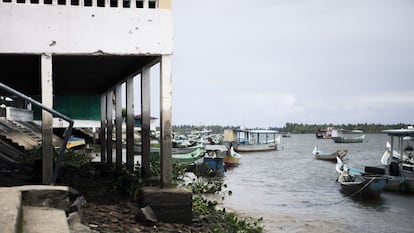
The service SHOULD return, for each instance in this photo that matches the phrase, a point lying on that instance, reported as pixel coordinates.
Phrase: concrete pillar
(109, 125)
(102, 132)
(130, 123)
(47, 119)
(166, 124)
(118, 125)
(146, 4)
(145, 122)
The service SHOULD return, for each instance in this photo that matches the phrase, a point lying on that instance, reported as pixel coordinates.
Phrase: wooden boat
(212, 164)
(256, 140)
(328, 156)
(232, 158)
(324, 133)
(187, 159)
(358, 184)
(75, 143)
(286, 135)
(347, 136)
(179, 150)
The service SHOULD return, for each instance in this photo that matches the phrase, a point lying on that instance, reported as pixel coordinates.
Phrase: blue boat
(356, 183)
(215, 165)
(212, 164)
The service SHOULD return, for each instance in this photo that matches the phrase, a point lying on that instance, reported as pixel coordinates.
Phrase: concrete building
(74, 55)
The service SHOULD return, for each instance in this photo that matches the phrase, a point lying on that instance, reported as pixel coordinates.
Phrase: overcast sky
(262, 63)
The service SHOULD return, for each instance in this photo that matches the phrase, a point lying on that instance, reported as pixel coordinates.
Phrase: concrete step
(10, 210)
(44, 219)
(36, 209)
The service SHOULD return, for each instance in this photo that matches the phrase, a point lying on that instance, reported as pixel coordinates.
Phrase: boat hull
(209, 166)
(75, 143)
(231, 161)
(368, 187)
(329, 156)
(255, 147)
(400, 184)
(348, 140)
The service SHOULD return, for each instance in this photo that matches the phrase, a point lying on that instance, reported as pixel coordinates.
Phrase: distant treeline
(295, 128)
(185, 129)
(367, 128)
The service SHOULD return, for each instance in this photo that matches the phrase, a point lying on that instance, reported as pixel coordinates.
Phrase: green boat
(187, 159)
(184, 159)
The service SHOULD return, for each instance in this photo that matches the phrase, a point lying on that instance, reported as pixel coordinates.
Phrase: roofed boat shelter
(55, 51)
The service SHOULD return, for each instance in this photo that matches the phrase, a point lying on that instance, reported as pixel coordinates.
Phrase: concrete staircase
(23, 135)
(37, 209)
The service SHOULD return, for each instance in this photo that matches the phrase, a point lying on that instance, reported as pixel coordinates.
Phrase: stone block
(45, 195)
(172, 205)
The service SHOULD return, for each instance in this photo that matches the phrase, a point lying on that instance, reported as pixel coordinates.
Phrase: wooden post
(145, 122)
(166, 124)
(47, 119)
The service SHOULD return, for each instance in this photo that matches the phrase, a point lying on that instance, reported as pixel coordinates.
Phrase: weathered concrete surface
(46, 195)
(35, 208)
(44, 219)
(172, 205)
(10, 202)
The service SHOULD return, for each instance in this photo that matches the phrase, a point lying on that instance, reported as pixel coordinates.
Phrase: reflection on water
(293, 192)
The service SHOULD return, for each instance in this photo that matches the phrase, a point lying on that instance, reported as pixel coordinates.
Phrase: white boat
(398, 160)
(256, 140)
(401, 163)
(321, 155)
(347, 136)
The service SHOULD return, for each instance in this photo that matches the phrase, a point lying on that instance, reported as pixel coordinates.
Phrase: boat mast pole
(400, 149)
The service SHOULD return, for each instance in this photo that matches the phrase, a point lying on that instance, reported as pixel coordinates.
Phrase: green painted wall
(81, 107)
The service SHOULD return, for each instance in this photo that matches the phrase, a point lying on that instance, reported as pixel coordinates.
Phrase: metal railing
(67, 133)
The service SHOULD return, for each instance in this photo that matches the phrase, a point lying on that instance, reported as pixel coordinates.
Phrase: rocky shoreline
(109, 208)
(120, 216)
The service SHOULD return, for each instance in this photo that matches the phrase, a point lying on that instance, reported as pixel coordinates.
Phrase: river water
(294, 192)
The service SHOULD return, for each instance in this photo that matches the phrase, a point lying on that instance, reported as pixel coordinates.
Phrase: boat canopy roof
(259, 131)
(399, 132)
(349, 130)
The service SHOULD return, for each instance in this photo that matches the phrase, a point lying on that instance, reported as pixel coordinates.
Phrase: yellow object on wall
(164, 4)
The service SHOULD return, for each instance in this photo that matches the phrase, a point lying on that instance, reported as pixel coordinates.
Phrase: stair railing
(67, 133)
